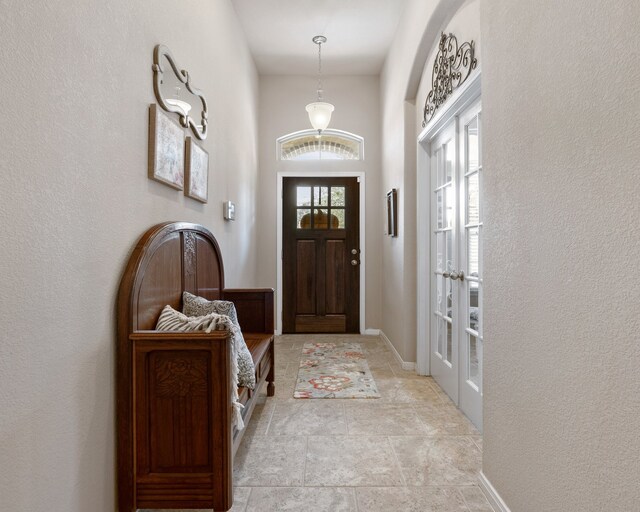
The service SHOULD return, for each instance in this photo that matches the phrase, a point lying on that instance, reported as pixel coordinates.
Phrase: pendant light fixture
(319, 111)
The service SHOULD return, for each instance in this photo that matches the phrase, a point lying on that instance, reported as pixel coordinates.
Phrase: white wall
(561, 103)
(561, 97)
(76, 86)
(356, 101)
(418, 28)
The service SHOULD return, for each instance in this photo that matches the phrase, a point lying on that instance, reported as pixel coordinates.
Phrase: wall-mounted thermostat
(229, 210)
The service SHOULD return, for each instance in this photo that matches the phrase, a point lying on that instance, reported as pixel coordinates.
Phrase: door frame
(363, 253)
(461, 99)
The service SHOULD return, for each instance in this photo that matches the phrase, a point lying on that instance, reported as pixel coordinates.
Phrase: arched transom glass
(330, 145)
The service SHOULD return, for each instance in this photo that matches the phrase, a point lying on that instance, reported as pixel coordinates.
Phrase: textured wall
(561, 103)
(282, 102)
(418, 29)
(76, 85)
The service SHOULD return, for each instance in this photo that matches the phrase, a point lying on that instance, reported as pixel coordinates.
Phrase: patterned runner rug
(334, 370)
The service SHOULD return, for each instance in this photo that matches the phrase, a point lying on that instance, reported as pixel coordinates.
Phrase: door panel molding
(279, 235)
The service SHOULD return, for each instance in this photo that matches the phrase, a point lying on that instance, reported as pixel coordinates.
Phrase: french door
(456, 254)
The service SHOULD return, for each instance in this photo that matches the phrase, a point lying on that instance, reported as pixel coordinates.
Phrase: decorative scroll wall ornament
(452, 66)
(162, 59)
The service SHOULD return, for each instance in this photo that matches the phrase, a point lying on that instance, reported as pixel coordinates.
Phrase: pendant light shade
(320, 114)
(319, 111)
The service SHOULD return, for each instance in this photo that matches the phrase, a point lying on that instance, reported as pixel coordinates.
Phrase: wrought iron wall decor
(162, 59)
(452, 66)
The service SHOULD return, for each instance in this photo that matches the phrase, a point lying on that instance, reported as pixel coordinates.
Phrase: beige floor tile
(438, 460)
(308, 417)
(299, 499)
(444, 419)
(406, 390)
(351, 461)
(270, 461)
(259, 422)
(478, 440)
(284, 388)
(290, 357)
(475, 499)
(382, 418)
(410, 499)
(240, 499)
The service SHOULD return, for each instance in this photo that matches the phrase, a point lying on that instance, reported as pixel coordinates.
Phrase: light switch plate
(229, 210)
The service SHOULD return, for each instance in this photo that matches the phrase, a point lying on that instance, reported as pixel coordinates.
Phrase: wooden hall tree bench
(175, 439)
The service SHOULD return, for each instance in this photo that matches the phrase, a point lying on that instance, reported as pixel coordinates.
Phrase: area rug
(334, 370)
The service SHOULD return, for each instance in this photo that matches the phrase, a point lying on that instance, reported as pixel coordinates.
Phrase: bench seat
(260, 346)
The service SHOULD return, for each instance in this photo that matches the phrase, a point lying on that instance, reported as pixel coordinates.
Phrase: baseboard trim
(371, 332)
(492, 495)
(403, 364)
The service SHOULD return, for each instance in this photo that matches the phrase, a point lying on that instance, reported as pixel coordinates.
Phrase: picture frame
(392, 212)
(166, 149)
(196, 171)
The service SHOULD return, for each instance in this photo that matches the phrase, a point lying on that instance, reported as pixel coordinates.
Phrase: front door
(321, 255)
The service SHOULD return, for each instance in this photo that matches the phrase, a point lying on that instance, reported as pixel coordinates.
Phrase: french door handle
(454, 275)
(457, 275)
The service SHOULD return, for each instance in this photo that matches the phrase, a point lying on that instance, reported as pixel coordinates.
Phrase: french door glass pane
(474, 311)
(439, 209)
(440, 251)
(440, 294)
(472, 145)
(473, 251)
(450, 312)
(474, 366)
(441, 334)
(473, 199)
(450, 256)
(449, 206)
(448, 161)
(449, 340)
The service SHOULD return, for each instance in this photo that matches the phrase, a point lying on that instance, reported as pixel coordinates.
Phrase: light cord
(319, 71)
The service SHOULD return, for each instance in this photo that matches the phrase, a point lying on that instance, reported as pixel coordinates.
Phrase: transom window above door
(320, 207)
(331, 145)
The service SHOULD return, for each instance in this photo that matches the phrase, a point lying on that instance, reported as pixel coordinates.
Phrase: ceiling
(358, 32)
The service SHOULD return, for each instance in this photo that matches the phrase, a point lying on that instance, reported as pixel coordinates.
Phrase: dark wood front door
(321, 255)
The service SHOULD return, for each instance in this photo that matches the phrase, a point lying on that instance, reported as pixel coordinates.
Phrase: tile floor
(410, 450)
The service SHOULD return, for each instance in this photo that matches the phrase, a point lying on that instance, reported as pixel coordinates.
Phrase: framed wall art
(196, 171)
(392, 212)
(166, 149)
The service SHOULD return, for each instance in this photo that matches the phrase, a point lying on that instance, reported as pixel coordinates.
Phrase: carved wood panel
(177, 387)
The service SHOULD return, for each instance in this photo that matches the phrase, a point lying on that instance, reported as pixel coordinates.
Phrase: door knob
(457, 275)
(354, 262)
(446, 274)
(354, 251)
